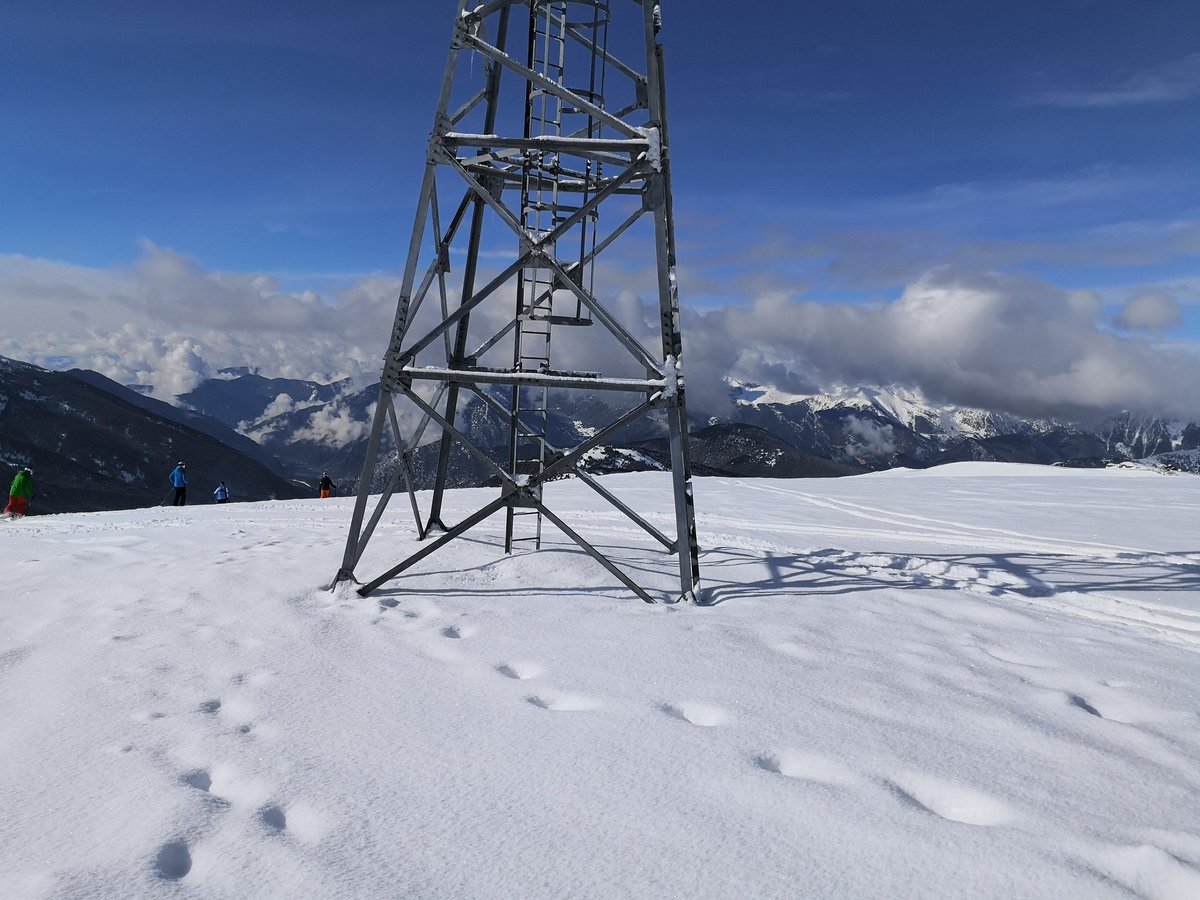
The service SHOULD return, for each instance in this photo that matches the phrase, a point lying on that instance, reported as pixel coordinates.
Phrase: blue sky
(834, 151)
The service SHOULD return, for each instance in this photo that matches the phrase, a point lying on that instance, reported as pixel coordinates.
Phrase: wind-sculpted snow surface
(976, 682)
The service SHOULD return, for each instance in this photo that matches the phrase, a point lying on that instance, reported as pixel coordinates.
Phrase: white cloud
(277, 407)
(1171, 82)
(870, 438)
(1154, 312)
(974, 338)
(335, 425)
(167, 322)
(998, 341)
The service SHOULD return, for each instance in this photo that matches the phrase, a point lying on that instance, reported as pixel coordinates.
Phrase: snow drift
(976, 681)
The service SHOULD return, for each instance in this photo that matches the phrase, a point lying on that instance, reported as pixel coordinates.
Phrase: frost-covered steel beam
(595, 554)
(534, 379)
(458, 530)
(668, 298)
(535, 146)
(526, 490)
(569, 460)
(533, 254)
(354, 543)
(577, 146)
(550, 87)
(448, 428)
(594, 483)
(602, 52)
(399, 359)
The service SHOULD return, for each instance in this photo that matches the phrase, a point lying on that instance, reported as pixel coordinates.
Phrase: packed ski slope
(979, 681)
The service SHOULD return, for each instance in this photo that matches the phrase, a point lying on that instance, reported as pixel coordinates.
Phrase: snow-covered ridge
(1174, 461)
(907, 405)
(750, 394)
(881, 427)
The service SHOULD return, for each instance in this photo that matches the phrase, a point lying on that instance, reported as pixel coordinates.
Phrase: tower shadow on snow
(1025, 574)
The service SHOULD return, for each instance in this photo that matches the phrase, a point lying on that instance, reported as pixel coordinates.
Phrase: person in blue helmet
(179, 481)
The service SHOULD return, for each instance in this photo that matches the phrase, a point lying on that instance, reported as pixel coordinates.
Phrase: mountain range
(94, 444)
(883, 428)
(312, 427)
(110, 446)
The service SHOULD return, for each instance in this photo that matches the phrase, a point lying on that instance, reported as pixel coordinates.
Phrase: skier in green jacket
(19, 494)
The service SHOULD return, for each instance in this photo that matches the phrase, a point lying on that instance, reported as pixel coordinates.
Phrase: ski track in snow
(218, 692)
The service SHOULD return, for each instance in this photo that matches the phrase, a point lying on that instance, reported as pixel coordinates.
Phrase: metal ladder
(538, 309)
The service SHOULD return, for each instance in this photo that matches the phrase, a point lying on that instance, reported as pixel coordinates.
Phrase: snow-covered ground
(977, 681)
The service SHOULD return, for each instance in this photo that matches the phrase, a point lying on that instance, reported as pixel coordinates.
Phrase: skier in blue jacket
(179, 481)
(221, 494)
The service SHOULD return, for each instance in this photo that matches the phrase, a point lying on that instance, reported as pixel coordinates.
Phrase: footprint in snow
(562, 702)
(1120, 705)
(299, 821)
(273, 818)
(702, 714)
(951, 801)
(808, 767)
(229, 785)
(210, 706)
(197, 778)
(1080, 703)
(458, 631)
(519, 671)
(255, 679)
(174, 860)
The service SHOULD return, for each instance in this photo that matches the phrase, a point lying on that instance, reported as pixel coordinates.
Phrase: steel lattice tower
(550, 110)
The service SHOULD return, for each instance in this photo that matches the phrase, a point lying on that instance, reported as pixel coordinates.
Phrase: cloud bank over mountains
(1001, 341)
(997, 341)
(167, 322)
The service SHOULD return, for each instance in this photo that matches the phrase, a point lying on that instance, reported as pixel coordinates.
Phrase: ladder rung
(560, 320)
